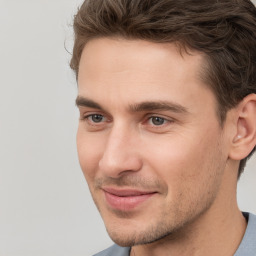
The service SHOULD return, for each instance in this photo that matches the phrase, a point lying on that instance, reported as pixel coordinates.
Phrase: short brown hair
(224, 30)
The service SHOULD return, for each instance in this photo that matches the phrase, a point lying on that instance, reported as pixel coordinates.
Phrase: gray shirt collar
(248, 244)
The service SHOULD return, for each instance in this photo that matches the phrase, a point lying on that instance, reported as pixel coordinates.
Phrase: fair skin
(161, 169)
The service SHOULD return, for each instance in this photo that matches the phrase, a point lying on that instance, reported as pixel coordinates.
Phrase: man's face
(149, 141)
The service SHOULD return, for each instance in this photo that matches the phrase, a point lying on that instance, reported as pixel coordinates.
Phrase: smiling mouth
(126, 199)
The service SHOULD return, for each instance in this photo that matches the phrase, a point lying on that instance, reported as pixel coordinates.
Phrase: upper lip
(126, 192)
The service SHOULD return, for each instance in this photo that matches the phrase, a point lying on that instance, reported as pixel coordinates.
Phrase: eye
(93, 121)
(96, 118)
(157, 121)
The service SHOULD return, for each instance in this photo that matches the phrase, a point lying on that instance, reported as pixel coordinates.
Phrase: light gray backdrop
(45, 205)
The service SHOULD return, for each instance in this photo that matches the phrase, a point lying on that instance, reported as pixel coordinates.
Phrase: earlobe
(245, 138)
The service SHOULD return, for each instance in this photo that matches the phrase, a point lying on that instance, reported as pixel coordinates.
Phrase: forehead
(117, 54)
(136, 70)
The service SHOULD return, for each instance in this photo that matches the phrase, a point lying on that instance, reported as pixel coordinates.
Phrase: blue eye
(96, 118)
(156, 120)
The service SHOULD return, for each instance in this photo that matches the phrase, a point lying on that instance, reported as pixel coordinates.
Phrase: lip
(126, 199)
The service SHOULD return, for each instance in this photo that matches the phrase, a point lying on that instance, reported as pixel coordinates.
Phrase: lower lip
(126, 203)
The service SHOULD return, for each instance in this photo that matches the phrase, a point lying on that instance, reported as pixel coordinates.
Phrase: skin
(178, 154)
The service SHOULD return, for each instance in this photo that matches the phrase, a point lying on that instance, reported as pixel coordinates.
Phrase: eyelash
(95, 115)
(149, 118)
(164, 120)
(88, 117)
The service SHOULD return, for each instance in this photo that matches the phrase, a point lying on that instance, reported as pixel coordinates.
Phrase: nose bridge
(120, 154)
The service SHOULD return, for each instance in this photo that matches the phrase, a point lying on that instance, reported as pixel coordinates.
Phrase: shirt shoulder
(248, 244)
(115, 250)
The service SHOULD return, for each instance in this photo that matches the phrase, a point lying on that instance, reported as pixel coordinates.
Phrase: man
(167, 101)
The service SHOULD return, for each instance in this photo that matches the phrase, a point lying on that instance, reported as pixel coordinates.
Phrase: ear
(245, 136)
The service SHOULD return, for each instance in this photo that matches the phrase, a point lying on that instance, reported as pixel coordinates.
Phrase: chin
(128, 237)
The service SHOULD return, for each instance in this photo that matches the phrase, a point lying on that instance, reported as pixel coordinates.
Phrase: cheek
(185, 161)
(190, 174)
(89, 151)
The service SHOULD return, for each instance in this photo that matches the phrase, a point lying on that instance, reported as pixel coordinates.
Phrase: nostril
(116, 165)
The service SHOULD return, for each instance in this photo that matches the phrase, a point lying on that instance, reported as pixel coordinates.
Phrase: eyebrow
(158, 105)
(84, 102)
(137, 107)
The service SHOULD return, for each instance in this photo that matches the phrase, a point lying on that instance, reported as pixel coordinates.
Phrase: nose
(121, 154)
